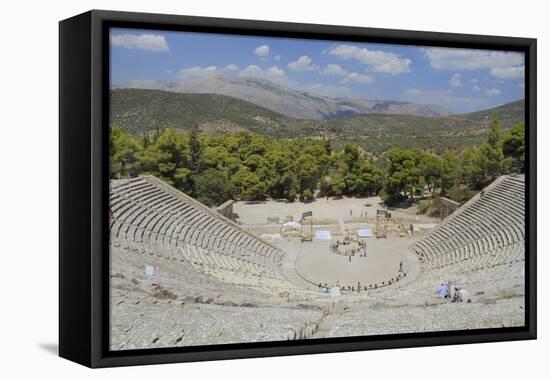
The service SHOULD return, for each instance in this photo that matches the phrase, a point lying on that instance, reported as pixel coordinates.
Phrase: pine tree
(195, 149)
(145, 140)
(494, 136)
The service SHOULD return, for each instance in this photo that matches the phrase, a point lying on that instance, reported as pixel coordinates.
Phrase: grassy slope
(509, 114)
(139, 110)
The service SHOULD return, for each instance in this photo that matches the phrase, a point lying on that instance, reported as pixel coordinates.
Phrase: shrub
(459, 194)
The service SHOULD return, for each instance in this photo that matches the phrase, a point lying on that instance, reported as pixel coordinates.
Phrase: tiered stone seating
(147, 214)
(191, 303)
(492, 220)
(495, 283)
(203, 263)
(504, 267)
(480, 247)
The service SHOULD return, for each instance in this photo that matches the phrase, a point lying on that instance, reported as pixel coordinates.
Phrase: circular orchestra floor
(317, 263)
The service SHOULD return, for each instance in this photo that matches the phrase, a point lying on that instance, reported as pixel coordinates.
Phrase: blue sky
(458, 79)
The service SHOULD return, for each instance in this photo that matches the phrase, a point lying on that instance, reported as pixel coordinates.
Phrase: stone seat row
(489, 222)
(142, 212)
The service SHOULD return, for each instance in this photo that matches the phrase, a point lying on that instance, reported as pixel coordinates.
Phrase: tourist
(456, 295)
(349, 257)
(358, 286)
(411, 230)
(350, 212)
(401, 266)
(443, 291)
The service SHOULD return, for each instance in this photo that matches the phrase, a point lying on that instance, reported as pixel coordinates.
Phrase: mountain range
(287, 101)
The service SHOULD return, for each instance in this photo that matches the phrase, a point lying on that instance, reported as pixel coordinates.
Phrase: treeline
(215, 168)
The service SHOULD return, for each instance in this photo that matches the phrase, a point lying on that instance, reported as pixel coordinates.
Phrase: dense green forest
(247, 166)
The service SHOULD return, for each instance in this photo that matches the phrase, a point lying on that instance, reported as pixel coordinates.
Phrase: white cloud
(358, 78)
(450, 59)
(195, 72)
(231, 67)
(304, 63)
(262, 51)
(476, 88)
(277, 57)
(493, 92)
(501, 64)
(252, 71)
(334, 69)
(516, 72)
(274, 73)
(377, 61)
(455, 80)
(149, 42)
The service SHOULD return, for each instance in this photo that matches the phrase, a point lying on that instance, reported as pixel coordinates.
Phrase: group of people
(350, 289)
(363, 213)
(445, 292)
(360, 250)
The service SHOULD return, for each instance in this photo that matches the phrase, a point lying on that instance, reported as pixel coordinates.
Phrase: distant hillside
(379, 132)
(509, 114)
(139, 110)
(284, 100)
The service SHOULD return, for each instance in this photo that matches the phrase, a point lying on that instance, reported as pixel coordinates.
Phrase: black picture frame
(83, 181)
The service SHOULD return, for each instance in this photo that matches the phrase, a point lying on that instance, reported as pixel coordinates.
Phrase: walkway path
(292, 246)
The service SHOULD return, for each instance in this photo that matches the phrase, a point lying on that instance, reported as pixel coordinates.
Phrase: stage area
(316, 263)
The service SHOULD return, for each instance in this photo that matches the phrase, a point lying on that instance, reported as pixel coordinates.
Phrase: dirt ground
(324, 211)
